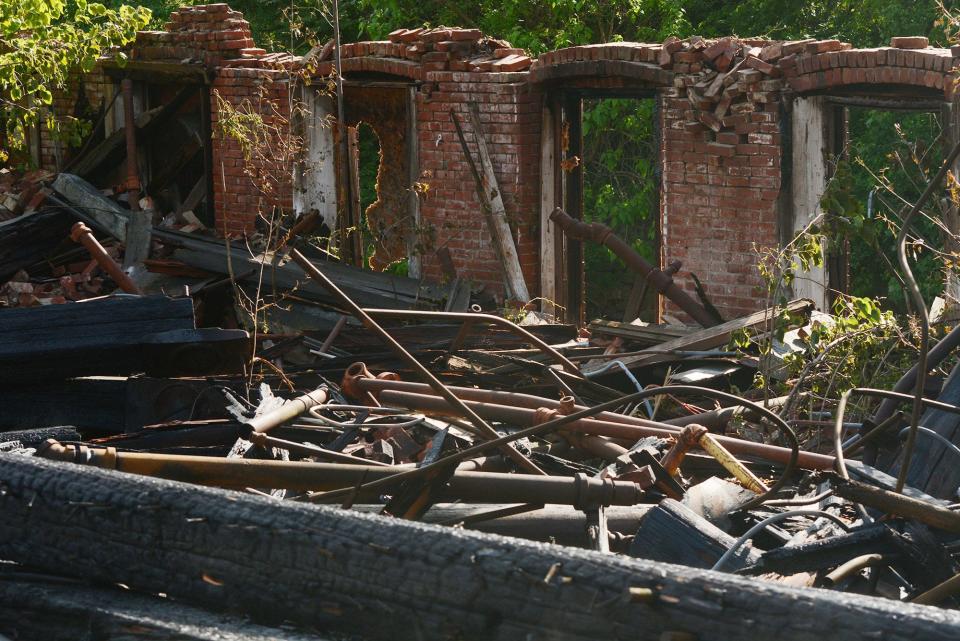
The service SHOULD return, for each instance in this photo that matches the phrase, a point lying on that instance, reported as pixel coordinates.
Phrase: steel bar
(603, 235)
(80, 233)
(409, 359)
(526, 416)
(474, 487)
(474, 319)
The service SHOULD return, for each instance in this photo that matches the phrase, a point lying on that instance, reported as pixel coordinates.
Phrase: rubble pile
(369, 452)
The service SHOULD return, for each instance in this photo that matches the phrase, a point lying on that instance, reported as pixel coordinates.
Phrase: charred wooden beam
(377, 576)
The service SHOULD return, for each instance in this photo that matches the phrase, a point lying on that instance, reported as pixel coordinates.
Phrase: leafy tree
(41, 43)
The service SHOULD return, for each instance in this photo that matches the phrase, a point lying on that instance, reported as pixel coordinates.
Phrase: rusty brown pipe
(698, 436)
(130, 132)
(525, 416)
(80, 233)
(661, 281)
(482, 427)
(361, 385)
(473, 487)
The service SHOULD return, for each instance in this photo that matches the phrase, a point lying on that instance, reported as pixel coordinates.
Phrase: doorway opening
(621, 189)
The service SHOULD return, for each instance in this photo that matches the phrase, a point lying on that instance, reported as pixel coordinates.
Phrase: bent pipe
(714, 420)
(525, 416)
(662, 282)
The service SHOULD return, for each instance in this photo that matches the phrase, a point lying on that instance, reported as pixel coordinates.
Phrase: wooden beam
(492, 202)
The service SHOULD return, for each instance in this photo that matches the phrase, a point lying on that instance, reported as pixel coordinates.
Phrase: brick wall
(721, 124)
(510, 115)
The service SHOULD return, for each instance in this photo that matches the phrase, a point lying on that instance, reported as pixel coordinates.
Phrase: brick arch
(928, 68)
(390, 66)
(630, 61)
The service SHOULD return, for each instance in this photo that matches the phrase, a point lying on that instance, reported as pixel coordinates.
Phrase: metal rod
(526, 416)
(409, 359)
(80, 233)
(939, 593)
(473, 487)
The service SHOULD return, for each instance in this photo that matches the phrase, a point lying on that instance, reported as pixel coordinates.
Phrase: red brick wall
(721, 147)
(719, 197)
(510, 115)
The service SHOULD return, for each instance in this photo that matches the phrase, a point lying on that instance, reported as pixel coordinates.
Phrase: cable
(767, 521)
(926, 431)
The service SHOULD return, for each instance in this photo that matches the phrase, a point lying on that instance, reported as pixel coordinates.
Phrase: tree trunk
(393, 579)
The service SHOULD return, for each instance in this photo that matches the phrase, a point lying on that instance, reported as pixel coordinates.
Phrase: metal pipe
(288, 411)
(377, 385)
(851, 567)
(940, 592)
(474, 487)
(897, 504)
(662, 282)
(697, 435)
(130, 132)
(526, 416)
(473, 319)
(80, 233)
(409, 359)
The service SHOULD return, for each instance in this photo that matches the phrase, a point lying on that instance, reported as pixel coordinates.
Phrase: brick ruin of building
(746, 131)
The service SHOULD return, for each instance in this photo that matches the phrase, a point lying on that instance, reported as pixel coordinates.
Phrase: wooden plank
(115, 336)
(673, 533)
(647, 335)
(499, 228)
(713, 337)
(548, 202)
(106, 214)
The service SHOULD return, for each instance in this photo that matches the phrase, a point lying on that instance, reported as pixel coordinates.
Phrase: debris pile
(320, 445)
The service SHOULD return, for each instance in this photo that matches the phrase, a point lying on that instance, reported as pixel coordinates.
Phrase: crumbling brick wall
(723, 121)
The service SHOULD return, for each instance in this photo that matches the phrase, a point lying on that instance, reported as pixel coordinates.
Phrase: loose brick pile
(411, 53)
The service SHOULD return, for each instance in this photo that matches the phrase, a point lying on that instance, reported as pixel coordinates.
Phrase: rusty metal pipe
(525, 416)
(377, 385)
(130, 132)
(80, 233)
(470, 319)
(473, 487)
(662, 282)
(441, 389)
